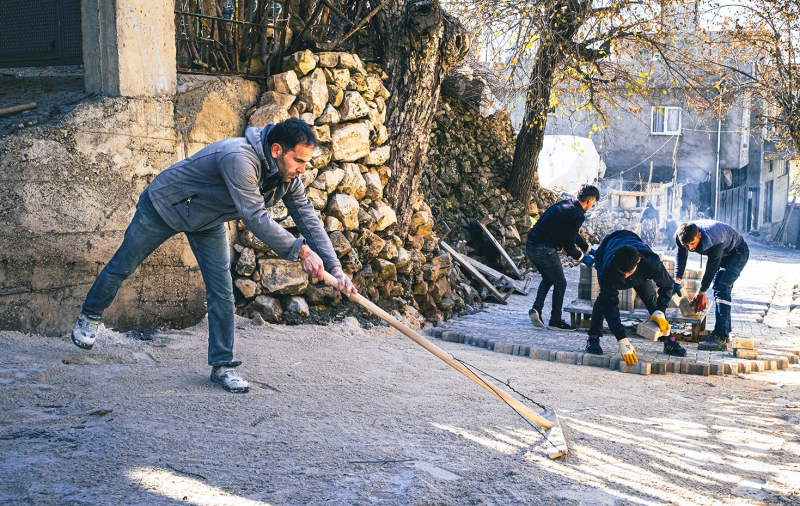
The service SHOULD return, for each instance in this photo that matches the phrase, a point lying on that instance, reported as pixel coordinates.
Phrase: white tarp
(567, 161)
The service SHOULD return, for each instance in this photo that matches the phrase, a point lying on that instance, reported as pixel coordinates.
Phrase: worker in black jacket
(624, 261)
(556, 230)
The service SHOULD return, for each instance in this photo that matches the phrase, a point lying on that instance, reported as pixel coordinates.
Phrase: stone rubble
(344, 100)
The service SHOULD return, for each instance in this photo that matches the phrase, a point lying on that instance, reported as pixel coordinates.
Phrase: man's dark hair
(626, 258)
(588, 191)
(687, 232)
(290, 133)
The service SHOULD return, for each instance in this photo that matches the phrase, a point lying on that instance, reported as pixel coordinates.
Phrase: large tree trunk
(420, 44)
(565, 18)
(531, 134)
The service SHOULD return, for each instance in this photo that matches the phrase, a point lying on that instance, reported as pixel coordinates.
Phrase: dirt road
(339, 415)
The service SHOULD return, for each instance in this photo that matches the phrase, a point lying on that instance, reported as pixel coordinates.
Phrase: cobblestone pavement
(763, 311)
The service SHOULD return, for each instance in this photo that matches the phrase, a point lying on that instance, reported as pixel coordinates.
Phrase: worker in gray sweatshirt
(235, 178)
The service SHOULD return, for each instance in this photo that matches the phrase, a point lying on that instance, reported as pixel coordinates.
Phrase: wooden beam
(515, 270)
(493, 275)
(473, 272)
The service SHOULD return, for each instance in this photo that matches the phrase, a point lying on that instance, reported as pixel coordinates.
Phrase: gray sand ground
(340, 415)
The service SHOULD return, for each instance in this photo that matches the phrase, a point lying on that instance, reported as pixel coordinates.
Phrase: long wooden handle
(489, 387)
(17, 108)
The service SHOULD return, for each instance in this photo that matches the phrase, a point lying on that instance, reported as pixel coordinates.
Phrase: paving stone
(745, 367)
(745, 353)
(773, 365)
(515, 349)
(757, 366)
(649, 330)
(525, 351)
(629, 369)
(437, 333)
(565, 357)
(793, 359)
(731, 369)
(783, 363)
(596, 360)
(658, 368)
(744, 344)
(644, 368)
(540, 354)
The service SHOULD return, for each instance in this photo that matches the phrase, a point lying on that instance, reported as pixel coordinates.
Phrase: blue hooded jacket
(717, 241)
(612, 281)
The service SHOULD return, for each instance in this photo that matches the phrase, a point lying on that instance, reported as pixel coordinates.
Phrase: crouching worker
(233, 178)
(624, 261)
(727, 254)
(556, 230)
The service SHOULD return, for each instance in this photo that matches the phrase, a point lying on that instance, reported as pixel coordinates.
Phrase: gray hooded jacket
(233, 179)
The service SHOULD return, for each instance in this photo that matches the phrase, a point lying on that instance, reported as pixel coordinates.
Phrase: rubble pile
(345, 103)
(603, 219)
(469, 164)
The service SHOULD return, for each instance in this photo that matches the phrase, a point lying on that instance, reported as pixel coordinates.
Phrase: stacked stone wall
(344, 101)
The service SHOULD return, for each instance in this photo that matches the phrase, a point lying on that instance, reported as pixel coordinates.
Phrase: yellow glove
(661, 321)
(627, 351)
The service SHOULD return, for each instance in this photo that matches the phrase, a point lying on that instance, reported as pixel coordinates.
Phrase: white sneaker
(230, 379)
(85, 331)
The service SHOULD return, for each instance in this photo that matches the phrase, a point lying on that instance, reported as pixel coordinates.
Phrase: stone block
(783, 363)
(717, 369)
(452, 337)
(282, 277)
(744, 344)
(745, 367)
(525, 351)
(658, 368)
(565, 357)
(515, 349)
(757, 366)
(773, 365)
(350, 141)
(645, 368)
(629, 369)
(596, 360)
(793, 359)
(540, 354)
(674, 367)
(745, 353)
(295, 306)
(649, 330)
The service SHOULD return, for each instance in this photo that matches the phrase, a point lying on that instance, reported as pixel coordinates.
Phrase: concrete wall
(68, 190)
(627, 141)
(129, 47)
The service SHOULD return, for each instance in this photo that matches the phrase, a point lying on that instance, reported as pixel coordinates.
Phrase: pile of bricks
(744, 348)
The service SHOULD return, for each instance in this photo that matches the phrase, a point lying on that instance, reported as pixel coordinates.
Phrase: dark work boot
(593, 345)
(536, 319)
(671, 347)
(715, 342)
(561, 325)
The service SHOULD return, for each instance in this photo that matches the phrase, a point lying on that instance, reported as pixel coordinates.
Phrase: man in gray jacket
(234, 178)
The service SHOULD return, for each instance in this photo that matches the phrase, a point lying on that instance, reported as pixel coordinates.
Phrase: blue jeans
(147, 232)
(548, 263)
(729, 270)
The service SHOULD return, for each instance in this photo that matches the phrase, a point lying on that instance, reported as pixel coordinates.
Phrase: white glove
(661, 321)
(627, 351)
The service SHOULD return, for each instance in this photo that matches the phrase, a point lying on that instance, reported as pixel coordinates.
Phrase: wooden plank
(501, 250)
(473, 272)
(522, 287)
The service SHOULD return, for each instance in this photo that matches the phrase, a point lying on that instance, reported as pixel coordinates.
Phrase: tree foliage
(590, 57)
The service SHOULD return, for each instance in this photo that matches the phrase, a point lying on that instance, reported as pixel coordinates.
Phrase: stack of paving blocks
(744, 348)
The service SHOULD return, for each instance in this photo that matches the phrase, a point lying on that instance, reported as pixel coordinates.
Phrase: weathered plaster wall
(69, 188)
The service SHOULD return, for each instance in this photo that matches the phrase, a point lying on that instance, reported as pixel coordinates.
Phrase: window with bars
(666, 121)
